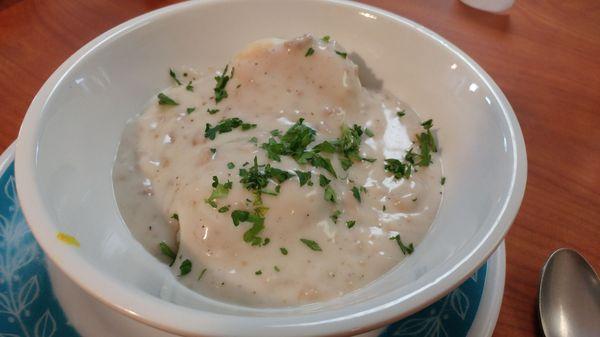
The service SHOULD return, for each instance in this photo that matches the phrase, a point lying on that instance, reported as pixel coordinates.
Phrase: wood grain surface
(544, 54)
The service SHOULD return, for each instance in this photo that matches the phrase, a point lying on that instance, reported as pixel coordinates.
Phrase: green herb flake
(201, 274)
(167, 251)
(175, 216)
(258, 272)
(309, 52)
(213, 150)
(406, 250)
(356, 193)
(326, 38)
(342, 54)
(219, 191)
(224, 126)
(335, 216)
(401, 113)
(248, 126)
(165, 100)
(443, 181)
(283, 251)
(224, 209)
(174, 76)
(230, 165)
(212, 111)
(350, 223)
(185, 267)
(303, 177)
(398, 168)
(276, 269)
(190, 110)
(239, 216)
(313, 245)
(329, 194)
(369, 133)
(323, 181)
(189, 87)
(220, 92)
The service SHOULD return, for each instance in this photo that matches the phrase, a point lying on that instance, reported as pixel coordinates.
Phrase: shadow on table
(497, 21)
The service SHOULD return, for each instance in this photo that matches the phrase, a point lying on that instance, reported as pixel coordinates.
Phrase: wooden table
(545, 55)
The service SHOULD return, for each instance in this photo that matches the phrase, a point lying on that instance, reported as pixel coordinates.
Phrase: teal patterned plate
(29, 307)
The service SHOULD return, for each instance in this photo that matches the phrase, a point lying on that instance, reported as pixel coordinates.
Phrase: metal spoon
(569, 297)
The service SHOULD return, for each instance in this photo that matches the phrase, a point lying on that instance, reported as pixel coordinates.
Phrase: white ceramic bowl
(69, 139)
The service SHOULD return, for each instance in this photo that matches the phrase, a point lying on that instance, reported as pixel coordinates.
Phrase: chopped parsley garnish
(185, 267)
(276, 269)
(175, 216)
(224, 209)
(189, 87)
(220, 92)
(323, 181)
(283, 251)
(427, 145)
(349, 144)
(251, 235)
(350, 223)
(369, 133)
(224, 126)
(201, 274)
(342, 54)
(165, 100)
(334, 217)
(230, 165)
(258, 272)
(303, 177)
(213, 150)
(219, 191)
(239, 216)
(356, 193)
(254, 178)
(325, 146)
(313, 245)
(212, 111)
(174, 76)
(406, 250)
(309, 52)
(329, 194)
(167, 251)
(326, 38)
(275, 133)
(294, 143)
(257, 221)
(248, 126)
(401, 113)
(383, 208)
(190, 110)
(398, 168)
(278, 175)
(443, 180)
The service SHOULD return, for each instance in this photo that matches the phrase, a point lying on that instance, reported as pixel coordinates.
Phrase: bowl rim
(191, 322)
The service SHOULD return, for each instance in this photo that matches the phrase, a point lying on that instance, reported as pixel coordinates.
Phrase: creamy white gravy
(165, 166)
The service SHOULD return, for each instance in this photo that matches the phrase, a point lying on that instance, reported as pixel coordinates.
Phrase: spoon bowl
(569, 296)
